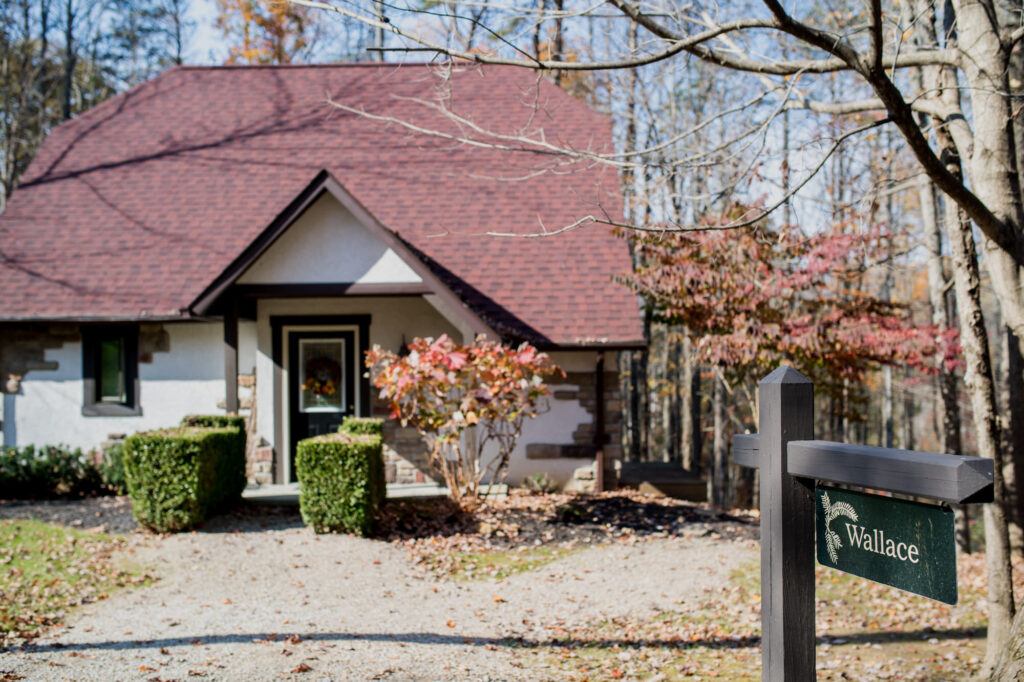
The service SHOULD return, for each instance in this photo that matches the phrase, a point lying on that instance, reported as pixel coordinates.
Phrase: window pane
(111, 374)
(322, 387)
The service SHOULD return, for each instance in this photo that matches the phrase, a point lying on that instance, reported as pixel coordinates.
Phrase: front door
(322, 382)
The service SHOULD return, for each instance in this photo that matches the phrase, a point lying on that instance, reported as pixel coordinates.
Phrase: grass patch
(494, 564)
(47, 569)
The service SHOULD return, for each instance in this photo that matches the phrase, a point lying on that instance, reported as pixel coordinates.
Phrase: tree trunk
(688, 454)
(949, 424)
(981, 389)
(888, 431)
(993, 158)
(717, 484)
(1015, 426)
(994, 177)
(907, 438)
(1011, 663)
(69, 56)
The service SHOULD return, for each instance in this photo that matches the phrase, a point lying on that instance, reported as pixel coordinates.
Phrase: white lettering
(875, 541)
(856, 534)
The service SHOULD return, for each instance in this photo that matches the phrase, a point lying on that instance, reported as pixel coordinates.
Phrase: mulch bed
(527, 518)
(520, 519)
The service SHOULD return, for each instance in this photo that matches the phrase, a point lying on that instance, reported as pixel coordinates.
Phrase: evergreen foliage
(341, 482)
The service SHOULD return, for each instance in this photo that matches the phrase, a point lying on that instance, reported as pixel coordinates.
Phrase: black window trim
(91, 338)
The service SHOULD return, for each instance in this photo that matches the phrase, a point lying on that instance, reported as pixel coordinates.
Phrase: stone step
(663, 478)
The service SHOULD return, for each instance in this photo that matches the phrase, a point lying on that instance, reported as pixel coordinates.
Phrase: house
(211, 240)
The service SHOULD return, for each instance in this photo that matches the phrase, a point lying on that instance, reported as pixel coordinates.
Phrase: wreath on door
(323, 376)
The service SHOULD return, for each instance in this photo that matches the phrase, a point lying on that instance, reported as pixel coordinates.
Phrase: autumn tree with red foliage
(753, 298)
(443, 388)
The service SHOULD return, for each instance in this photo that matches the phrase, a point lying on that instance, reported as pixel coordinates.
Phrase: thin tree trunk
(1015, 425)
(717, 480)
(69, 56)
(558, 42)
(908, 439)
(887, 429)
(694, 417)
(686, 424)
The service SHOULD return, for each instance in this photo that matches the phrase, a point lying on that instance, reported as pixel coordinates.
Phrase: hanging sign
(908, 545)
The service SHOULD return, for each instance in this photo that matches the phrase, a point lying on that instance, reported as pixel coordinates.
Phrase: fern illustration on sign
(833, 512)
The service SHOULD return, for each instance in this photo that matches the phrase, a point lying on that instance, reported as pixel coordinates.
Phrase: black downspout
(599, 437)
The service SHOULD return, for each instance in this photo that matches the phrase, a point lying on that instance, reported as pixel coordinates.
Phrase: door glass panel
(111, 371)
(322, 385)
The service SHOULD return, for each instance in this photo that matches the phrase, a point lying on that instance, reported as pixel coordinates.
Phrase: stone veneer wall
(23, 349)
(583, 437)
(405, 453)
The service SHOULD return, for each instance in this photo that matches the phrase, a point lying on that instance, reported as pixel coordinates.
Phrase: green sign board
(908, 545)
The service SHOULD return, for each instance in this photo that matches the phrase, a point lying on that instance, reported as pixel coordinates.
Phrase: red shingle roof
(134, 208)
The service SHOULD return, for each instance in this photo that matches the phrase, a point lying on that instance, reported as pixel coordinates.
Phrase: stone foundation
(261, 466)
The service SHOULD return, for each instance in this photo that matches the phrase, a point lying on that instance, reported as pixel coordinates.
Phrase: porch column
(231, 357)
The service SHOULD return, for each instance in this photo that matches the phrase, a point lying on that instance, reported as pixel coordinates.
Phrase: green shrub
(215, 421)
(112, 468)
(32, 472)
(341, 482)
(232, 469)
(178, 477)
(369, 426)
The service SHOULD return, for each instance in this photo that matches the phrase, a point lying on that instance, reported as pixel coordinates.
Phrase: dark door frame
(278, 323)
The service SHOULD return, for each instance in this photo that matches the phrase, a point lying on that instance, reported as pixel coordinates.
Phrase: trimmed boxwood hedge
(215, 421)
(341, 482)
(371, 426)
(178, 477)
(231, 469)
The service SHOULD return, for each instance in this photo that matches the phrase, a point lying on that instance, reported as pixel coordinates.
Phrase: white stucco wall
(557, 425)
(189, 379)
(328, 244)
(393, 318)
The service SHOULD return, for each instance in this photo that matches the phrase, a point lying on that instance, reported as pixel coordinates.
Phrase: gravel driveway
(266, 599)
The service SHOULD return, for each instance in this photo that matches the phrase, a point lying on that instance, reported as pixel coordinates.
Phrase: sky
(207, 43)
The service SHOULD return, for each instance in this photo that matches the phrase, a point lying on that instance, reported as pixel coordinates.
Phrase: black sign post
(907, 547)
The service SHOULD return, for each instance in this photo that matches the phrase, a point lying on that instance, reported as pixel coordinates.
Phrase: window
(110, 368)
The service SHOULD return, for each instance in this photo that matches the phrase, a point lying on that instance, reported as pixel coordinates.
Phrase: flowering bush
(443, 389)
